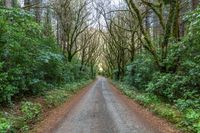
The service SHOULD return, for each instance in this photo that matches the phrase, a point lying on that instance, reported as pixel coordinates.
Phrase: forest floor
(101, 108)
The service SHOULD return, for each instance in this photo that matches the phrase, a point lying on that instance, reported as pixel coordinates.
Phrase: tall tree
(8, 3)
(37, 9)
(27, 5)
(157, 8)
(73, 18)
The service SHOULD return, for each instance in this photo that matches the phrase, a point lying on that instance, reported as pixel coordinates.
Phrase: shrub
(31, 111)
(191, 121)
(152, 102)
(74, 86)
(30, 61)
(166, 111)
(172, 87)
(58, 96)
(5, 125)
(146, 99)
(129, 93)
(55, 97)
(140, 71)
(21, 44)
(184, 104)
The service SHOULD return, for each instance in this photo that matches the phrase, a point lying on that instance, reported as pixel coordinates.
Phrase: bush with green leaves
(55, 97)
(184, 57)
(167, 111)
(31, 111)
(58, 96)
(191, 121)
(140, 71)
(30, 61)
(152, 102)
(184, 104)
(146, 99)
(22, 45)
(168, 86)
(5, 125)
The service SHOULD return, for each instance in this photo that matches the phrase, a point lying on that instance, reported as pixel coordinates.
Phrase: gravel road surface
(100, 110)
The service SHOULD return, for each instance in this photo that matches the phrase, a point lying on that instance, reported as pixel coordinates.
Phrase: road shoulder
(54, 117)
(148, 117)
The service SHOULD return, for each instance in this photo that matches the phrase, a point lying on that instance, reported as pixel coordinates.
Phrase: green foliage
(58, 96)
(153, 103)
(129, 93)
(31, 111)
(30, 61)
(166, 1)
(170, 88)
(146, 99)
(166, 111)
(184, 104)
(5, 124)
(126, 90)
(21, 45)
(55, 97)
(72, 87)
(194, 24)
(181, 84)
(191, 121)
(140, 71)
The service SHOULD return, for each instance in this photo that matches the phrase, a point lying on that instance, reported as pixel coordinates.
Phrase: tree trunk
(176, 27)
(168, 29)
(182, 29)
(48, 16)
(147, 23)
(132, 47)
(69, 57)
(37, 10)
(194, 4)
(8, 3)
(27, 4)
(92, 71)
(82, 59)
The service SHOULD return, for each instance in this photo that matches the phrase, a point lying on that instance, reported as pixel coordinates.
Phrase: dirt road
(101, 110)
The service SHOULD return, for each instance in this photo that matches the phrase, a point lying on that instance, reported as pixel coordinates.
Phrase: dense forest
(150, 48)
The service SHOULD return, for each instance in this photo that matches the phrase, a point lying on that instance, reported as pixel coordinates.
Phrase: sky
(115, 2)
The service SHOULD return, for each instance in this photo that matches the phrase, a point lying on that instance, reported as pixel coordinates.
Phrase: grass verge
(185, 120)
(20, 118)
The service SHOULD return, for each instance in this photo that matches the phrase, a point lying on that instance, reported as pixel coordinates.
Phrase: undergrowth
(31, 112)
(187, 120)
